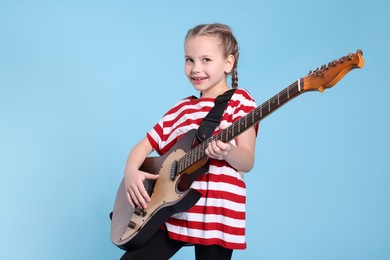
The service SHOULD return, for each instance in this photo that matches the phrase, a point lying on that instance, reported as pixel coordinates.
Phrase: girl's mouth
(198, 79)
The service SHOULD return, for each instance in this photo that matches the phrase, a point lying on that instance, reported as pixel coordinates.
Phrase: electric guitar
(183, 163)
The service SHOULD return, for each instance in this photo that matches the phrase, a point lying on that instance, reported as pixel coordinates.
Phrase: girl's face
(205, 65)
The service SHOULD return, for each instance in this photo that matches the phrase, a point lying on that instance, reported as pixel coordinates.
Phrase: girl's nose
(196, 68)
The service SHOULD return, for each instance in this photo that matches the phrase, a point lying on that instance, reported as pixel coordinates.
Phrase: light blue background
(82, 81)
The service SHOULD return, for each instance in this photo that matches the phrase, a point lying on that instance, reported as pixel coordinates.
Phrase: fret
(183, 162)
(269, 105)
(198, 154)
(261, 111)
(186, 164)
(189, 163)
(180, 165)
(273, 103)
(288, 92)
(284, 96)
(234, 129)
(194, 158)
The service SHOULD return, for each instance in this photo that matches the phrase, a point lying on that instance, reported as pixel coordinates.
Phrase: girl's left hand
(218, 149)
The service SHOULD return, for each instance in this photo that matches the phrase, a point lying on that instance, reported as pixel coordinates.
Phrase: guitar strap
(213, 118)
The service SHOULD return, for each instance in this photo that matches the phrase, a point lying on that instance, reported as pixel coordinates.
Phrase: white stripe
(179, 131)
(154, 135)
(185, 117)
(224, 169)
(210, 218)
(207, 234)
(218, 186)
(170, 117)
(239, 207)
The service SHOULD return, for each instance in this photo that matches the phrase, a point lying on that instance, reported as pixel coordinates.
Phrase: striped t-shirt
(218, 218)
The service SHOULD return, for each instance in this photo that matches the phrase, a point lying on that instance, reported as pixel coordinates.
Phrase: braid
(228, 43)
(234, 78)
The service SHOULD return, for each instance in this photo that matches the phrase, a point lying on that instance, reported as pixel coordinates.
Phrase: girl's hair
(227, 41)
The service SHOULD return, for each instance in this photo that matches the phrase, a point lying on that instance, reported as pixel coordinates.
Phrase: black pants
(161, 247)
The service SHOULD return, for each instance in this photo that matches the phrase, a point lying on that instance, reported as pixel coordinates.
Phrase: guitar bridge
(173, 170)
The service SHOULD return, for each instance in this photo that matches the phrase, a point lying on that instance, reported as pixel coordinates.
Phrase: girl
(216, 224)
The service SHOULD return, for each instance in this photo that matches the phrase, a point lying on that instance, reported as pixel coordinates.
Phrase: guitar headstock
(328, 75)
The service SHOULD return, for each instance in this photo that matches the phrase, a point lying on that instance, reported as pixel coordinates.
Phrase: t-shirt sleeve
(241, 104)
(157, 135)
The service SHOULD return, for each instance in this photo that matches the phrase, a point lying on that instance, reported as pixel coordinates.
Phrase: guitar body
(166, 198)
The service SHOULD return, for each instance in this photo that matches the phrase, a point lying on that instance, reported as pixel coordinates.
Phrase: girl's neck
(213, 93)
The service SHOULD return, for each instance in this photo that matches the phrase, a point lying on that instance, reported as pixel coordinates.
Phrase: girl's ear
(229, 63)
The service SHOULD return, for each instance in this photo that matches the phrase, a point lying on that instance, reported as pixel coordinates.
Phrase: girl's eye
(188, 60)
(206, 59)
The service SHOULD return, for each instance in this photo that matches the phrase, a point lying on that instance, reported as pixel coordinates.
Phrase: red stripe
(182, 113)
(212, 241)
(218, 211)
(217, 194)
(213, 226)
(185, 101)
(153, 143)
(222, 178)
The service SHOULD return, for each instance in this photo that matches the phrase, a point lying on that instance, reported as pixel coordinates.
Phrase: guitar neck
(243, 124)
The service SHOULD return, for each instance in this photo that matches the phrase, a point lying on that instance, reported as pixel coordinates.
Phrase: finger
(137, 197)
(134, 198)
(145, 198)
(216, 150)
(213, 151)
(223, 147)
(130, 200)
(209, 149)
(151, 176)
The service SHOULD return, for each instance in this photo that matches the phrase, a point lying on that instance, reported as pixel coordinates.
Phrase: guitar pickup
(173, 170)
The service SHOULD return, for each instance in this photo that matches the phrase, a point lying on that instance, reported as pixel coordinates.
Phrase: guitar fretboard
(244, 123)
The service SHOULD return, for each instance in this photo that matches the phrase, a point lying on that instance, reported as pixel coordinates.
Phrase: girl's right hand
(135, 189)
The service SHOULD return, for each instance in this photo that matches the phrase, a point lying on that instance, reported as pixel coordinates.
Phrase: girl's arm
(242, 156)
(134, 178)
